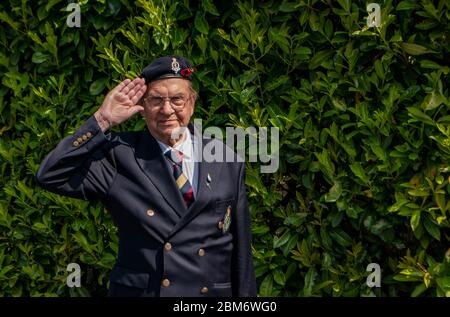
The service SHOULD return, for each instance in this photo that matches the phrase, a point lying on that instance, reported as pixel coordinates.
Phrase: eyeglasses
(177, 102)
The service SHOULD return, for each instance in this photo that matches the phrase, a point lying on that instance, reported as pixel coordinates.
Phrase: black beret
(168, 67)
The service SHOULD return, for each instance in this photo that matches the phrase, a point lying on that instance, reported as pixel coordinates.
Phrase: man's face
(164, 115)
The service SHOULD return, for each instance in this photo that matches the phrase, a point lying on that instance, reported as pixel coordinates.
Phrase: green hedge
(364, 134)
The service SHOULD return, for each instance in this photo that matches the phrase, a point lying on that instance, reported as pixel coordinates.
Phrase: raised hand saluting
(121, 103)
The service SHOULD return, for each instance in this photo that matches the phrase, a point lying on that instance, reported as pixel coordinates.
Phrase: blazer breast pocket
(224, 210)
(221, 290)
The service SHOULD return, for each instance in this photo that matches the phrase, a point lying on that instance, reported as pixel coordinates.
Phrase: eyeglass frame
(163, 102)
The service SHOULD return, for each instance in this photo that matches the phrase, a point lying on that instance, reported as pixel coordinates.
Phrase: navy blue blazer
(165, 249)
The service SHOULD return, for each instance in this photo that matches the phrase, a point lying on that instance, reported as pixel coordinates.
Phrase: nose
(167, 107)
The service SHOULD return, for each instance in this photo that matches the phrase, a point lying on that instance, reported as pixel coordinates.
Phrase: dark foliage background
(363, 117)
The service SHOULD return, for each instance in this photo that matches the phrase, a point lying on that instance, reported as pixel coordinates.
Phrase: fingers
(135, 85)
(138, 95)
(122, 85)
(129, 92)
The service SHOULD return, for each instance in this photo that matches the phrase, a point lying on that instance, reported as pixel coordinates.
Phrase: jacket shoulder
(128, 138)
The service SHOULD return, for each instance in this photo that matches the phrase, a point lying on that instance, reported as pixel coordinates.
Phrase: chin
(175, 131)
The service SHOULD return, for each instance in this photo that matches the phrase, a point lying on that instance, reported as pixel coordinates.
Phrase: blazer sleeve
(81, 166)
(243, 278)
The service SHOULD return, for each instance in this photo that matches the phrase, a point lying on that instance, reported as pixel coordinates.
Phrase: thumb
(135, 109)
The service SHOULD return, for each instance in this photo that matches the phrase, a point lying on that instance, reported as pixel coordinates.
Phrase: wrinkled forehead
(170, 86)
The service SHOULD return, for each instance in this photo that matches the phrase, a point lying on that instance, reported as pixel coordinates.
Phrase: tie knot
(175, 156)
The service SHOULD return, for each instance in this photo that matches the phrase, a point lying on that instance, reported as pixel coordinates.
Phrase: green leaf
(97, 86)
(279, 241)
(430, 64)
(426, 24)
(334, 192)
(415, 49)
(431, 227)
(326, 240)
(279, 277)
(108, 260)
(345, 4)
(415, 219)
(407, 5)
(290, 245)
(82, 292)
(444, 283)
(39, 226)
(314, 22)
(200, 23)
(418, 290)
(359, 172)
(302, 50)
(262, 229)
(419, 192)
(310, 278)
(277, 82)
(82, 240)
(296, 219)
(419, 115)
(319, 58)
(379, 69)
(341, 237)
(209, 6)
(287, 6)
(339, 104)
(5, 270)
(433, 100)
(395, 207)
(39, 57)
(51, 3)
(265, 290)
(408, 278)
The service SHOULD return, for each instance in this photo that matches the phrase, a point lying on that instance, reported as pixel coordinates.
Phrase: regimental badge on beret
(175, 65)
(227, 220)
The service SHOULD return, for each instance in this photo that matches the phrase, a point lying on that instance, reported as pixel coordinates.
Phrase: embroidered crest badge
(227, 220)
(175, 65)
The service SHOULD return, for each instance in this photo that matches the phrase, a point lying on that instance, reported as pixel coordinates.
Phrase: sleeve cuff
(89, 134)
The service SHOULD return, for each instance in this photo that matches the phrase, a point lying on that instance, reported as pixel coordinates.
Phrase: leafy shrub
(363, 116)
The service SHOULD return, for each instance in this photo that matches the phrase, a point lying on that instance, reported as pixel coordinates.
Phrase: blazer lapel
(152, 162)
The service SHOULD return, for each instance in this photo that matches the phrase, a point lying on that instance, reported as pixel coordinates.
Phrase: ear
(195, 95)
(192, 109)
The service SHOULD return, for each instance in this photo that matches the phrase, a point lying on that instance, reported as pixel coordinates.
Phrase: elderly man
(183, 223)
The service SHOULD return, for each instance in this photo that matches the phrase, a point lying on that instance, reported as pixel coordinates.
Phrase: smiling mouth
(168, 122)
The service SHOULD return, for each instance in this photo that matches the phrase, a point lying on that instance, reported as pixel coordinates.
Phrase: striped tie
(176, 158)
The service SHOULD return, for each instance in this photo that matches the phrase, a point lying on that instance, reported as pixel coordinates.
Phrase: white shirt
(189, 157)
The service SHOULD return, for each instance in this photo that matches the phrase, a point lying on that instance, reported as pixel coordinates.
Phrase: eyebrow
(158, 94)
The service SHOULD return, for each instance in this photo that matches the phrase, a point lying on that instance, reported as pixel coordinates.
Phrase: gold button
(204, 290)
(75, 143)
(80, 140)
(84, 137)
(168, 246)
(201, 252)
(166, 282)
(89, 134)
(220, 225)
(150, 212)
